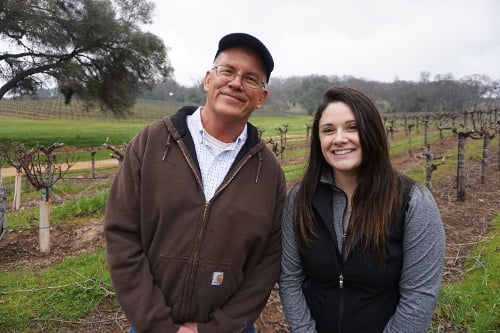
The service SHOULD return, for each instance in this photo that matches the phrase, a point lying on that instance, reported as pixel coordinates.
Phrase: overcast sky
(370, 39)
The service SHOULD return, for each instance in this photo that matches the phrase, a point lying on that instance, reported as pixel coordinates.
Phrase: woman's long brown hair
(378, 198)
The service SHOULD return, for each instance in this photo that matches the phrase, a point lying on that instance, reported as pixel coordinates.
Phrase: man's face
(233, 99)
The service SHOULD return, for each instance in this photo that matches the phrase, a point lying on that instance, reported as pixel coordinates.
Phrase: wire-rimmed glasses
(247, 80)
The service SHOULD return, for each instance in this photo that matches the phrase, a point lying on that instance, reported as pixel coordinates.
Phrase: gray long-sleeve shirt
(423, 259)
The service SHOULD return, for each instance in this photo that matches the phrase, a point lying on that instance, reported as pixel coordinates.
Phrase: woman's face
(339, 138)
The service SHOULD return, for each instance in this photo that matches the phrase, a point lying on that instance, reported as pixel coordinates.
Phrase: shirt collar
(198, 127)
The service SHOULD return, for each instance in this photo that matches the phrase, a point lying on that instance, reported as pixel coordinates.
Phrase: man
(192, 221)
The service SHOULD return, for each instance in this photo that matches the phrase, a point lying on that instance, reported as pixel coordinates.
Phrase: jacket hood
(177, 128)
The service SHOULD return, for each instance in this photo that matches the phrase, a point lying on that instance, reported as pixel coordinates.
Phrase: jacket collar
(177, 127)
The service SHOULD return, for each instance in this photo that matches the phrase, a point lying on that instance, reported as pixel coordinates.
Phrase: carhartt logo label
(217, 278)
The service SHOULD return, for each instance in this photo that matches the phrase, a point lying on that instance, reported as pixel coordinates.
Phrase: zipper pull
(341, 281)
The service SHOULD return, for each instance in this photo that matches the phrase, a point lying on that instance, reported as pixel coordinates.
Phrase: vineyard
(68, 288)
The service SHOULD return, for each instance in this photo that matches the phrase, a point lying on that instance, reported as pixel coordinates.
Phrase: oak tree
(94, 49)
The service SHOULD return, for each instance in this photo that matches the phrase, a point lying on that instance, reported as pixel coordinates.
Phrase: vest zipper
(341, 303)
(343, 254)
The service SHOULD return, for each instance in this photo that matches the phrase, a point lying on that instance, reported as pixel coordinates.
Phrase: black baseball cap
(242, 39)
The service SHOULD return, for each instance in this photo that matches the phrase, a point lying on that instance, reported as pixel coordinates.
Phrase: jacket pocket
(170, 275)
(215, 284)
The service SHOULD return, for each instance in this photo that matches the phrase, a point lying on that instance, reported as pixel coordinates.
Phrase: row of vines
(44, 166)
(57, 108)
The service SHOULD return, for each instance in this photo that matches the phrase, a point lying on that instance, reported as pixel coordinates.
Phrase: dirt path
(11, 172)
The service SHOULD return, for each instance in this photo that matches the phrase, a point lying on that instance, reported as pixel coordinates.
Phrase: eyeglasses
(247, 80)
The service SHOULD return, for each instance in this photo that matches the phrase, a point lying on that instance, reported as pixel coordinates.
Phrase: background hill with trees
(97, 51)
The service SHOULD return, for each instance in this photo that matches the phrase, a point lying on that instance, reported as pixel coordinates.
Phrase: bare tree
(260, 131)
(488, 134)
(14, 155)
(389, 129)
(93, 151)
(115, 151)
(42, 170)
(408, 127)
(426, 119)
(3, 197)
(308, 132)
(461, 174)
(440, 125)
(431, 166)
(3, 212)
(497, 129)
(283, 130)
(277, 149)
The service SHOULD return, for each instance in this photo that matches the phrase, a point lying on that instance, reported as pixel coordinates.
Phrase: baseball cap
(243, 39)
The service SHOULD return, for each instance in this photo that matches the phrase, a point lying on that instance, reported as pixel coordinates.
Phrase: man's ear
(262, 98)
(206, 80)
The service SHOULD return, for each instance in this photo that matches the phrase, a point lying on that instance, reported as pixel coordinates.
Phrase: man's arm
(141, 300)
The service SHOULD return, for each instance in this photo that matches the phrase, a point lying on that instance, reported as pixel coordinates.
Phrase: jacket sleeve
(423, 260)
(140, 299)
(292, 298)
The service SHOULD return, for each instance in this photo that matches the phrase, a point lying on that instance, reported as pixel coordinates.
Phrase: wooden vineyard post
(44, 232)
(16, 201)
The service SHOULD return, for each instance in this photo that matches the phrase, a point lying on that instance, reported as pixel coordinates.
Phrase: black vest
(356, 295)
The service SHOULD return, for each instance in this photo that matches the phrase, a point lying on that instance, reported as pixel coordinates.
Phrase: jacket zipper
(194, 263)
(203, 222)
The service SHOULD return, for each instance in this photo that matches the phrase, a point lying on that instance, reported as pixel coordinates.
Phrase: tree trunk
(410, 153)
(428, 171)
(3, 214)
(426, 133)
(44, 232)
(92, 155)
(484, 160)
(461, 168)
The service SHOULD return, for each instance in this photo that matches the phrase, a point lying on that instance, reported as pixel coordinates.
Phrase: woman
(363, 245)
